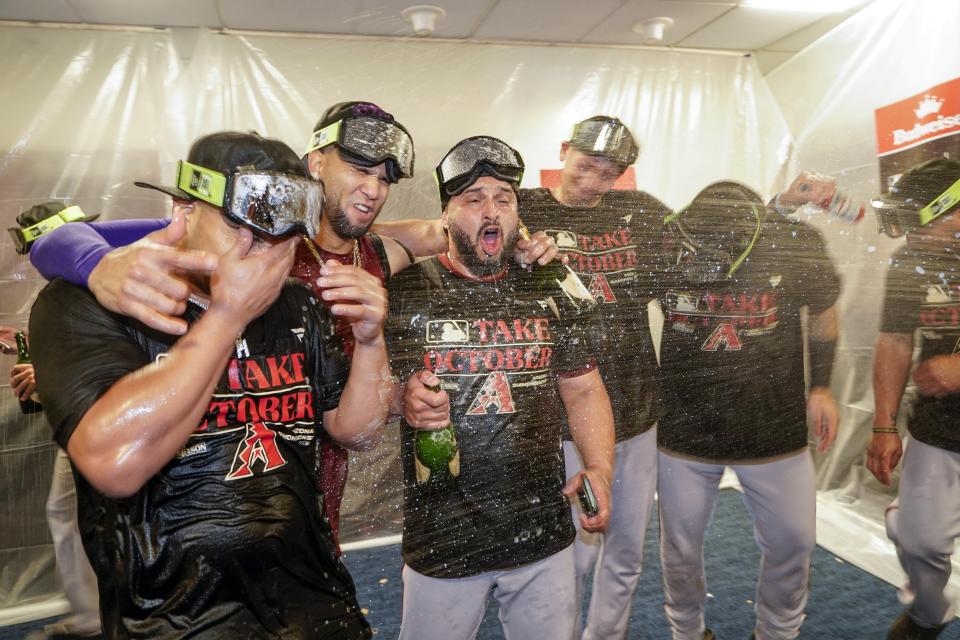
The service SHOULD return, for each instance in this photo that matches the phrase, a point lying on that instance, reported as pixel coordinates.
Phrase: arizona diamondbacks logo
(601, 290)
(726, 336)
(495, 394)
(258, 446)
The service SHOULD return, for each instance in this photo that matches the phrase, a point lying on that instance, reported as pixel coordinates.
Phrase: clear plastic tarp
(87, 112)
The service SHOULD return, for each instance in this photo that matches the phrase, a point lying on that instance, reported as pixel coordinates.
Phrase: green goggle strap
(941, 204)
(70, 214)
(202, 183)
(326, 136)
(671, 217)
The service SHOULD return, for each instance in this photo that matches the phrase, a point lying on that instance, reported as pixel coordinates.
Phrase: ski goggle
(608, 138)
(373, 139)
(896, 219)
(475, 156)
(697, 259)
(270, 203)
(23, 238)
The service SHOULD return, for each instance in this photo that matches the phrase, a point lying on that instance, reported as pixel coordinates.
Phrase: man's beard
(467, 250)
(342, 226)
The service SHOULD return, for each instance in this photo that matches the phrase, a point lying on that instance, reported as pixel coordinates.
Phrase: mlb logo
(682, 301)
(564, 239)
(448, 331)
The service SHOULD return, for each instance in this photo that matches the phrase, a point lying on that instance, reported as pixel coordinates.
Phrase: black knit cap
(227, 151)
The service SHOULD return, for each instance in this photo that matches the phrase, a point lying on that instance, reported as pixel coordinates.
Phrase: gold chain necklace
(357, 262)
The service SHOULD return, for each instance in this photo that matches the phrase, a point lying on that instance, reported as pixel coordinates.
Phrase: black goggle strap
(673, 219)
(202, 183)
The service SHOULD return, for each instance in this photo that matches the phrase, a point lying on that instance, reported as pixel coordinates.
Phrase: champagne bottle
(437, 451)
(31, 404)
(560, 282)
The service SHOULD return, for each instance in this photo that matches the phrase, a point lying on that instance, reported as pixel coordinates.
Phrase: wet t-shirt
(228, 540)
(923, 292)
(497, 346)
(732, 351)
(614, 248)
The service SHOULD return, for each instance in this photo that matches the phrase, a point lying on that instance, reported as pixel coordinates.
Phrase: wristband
(821, 362)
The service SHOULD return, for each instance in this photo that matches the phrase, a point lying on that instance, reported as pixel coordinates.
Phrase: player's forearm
(141, 422)
(72, 251)
(357, 422)
(590, 418)
(422, 237)
(891, 369)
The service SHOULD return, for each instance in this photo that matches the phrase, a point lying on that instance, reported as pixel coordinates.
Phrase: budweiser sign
(930, 115)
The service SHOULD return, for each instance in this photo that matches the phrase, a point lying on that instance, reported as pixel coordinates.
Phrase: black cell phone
(588, 501)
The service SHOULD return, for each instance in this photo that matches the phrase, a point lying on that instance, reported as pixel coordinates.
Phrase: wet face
(940, 236)
(353, 195)
(208, 229)
(482, 221)
(585, 179)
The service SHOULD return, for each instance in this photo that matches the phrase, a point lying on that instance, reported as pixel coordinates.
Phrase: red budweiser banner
(918, 128)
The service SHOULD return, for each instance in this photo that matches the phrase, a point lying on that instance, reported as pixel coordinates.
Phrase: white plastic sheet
(87, 112)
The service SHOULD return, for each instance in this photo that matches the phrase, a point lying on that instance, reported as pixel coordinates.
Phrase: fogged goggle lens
(607, 138)
(465, 159)
(271, 203)
(275, 204)
(372, 139)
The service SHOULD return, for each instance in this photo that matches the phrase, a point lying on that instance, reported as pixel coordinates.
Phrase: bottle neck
(23, 355)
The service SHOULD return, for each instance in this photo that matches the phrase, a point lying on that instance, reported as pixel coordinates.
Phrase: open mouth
(491, 239)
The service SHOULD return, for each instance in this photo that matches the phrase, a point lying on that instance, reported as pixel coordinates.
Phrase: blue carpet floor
(845, 602)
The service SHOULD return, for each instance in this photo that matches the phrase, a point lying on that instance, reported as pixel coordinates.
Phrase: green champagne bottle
(437, 451)
(31, 404)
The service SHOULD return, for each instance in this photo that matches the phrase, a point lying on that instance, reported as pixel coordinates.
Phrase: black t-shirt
(228, 540)
(497, 347)
(732, 351)
(614, 248)
(923, 292)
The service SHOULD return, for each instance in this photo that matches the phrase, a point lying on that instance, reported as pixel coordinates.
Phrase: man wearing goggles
(196, 455)
(507, 360)
(609, 237)
(922, 292)
(733, 289)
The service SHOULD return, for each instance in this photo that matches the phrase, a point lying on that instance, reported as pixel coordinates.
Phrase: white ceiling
(772, 35)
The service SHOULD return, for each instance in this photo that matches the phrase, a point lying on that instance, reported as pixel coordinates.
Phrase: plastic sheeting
(828, 93)
(87, 112)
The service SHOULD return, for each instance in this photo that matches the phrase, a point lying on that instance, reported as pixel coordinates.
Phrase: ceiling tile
(32, 10)
(557, 21)
(747, 28)
(687, 16)
(366, 17)
(170, 13)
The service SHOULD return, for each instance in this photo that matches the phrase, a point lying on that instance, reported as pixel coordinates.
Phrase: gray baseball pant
(781, 498)
(923, 522)
(79, 581)
(616, 556)
(536, 601)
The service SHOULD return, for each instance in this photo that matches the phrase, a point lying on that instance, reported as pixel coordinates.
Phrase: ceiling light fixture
(423, 17)
(652, 29)
(803, 6)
